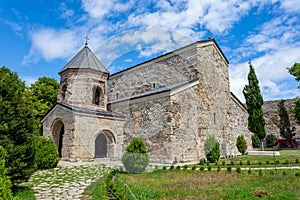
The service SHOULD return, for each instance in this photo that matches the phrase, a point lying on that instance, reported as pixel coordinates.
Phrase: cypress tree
(295, 71)
(254, 102)
(284, 124)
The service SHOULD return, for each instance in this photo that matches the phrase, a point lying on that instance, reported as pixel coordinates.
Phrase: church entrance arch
(58, 130)
(103, 144)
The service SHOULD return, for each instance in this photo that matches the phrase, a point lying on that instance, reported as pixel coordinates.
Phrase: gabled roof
(158, 91)
(107, 113)
(85, 59)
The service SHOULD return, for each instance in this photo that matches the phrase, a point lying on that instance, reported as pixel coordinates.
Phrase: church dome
(85, 59)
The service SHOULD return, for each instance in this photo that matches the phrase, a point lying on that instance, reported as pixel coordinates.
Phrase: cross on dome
(86, 40)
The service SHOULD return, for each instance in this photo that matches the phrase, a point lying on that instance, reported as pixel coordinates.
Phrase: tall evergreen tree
(254, 102)
(295, 71)
(284, 124)
(17, 133)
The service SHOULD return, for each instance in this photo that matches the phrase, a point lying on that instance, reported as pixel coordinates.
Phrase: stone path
(66, 182)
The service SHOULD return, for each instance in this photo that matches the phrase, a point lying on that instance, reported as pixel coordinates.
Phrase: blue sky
(39, 37)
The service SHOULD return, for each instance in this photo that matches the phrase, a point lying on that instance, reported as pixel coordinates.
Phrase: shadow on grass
(23, 192)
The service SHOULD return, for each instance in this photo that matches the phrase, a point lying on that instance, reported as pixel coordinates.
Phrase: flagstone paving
(66, 182)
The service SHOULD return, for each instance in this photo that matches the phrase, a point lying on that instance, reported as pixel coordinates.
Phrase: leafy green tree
(17, 133)
(254, 102)
(212, 148)
(214, 155)
(42, 95)
(271, 140)
(284, 124)
(295, 71)
(209, 143)
(255, 141)
(46, 156)
(241, 144)
(5, 183)
(136, 157)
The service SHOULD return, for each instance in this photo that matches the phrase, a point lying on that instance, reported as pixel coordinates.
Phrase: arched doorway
(101, 146)
(58, 136)
(103, 143)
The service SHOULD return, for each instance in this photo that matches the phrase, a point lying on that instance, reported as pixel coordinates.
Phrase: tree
(241, 144)
(136, 157)
(271, 140)
(17, 133)
(284, 124)
(214, 154)
(42, 95)
(295, 71)
(254, 102)
(5, 183)
(212, 148)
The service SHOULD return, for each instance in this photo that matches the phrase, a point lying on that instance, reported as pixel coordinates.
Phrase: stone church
(173, 102)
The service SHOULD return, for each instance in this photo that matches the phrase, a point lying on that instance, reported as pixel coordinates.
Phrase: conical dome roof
(85, 59)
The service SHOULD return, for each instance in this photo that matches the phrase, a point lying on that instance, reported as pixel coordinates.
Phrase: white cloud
(97, 9)
(51, 44)
(29, 80)
(290, 5)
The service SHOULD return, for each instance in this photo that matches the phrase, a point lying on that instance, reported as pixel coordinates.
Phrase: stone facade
(172, 102)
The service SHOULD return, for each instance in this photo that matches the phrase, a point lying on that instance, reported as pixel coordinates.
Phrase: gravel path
(66, 182)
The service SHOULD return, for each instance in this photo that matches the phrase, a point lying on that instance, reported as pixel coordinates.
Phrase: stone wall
(148, 118)
(168, 70)
(271, 116)
(238, 125)
(77, 87)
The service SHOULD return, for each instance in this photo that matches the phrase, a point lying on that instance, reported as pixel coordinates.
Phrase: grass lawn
(187, 184)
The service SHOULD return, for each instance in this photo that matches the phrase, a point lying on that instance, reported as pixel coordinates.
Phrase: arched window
(64, 90)
(98, 95)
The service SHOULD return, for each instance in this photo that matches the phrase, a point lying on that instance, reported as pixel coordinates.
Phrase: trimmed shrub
(178, 167)
(201, 162)
(201, 168)
(267, 162)
(209, 168)
(223, 162)
(248, 162)
(164, 168)
(297, 174)
(214, 154)
(297, 160)
(238, 170)
(249, 171)
(229, 169)
(241, 144)
(255, 141)
(172, 167)
(231, 162)
(185, 167)
(259, 163)
(218, 168)
(271, 140)
(194, 167)
(241, 162)
(5, 192)
(46, 156)
(260, 172)
(136, 157)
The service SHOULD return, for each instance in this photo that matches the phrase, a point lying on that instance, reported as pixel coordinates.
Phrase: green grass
(23, 192)
(289, 155)
(185, 184)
